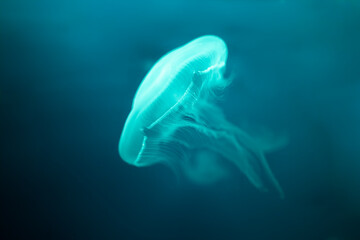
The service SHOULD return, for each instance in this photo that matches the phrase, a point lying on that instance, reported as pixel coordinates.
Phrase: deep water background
(68, 74)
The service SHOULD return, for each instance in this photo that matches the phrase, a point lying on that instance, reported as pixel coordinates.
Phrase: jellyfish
(175, 119)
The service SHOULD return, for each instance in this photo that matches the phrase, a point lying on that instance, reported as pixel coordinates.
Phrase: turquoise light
(175, 120)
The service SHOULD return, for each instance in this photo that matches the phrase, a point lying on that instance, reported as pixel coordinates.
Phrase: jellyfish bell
(163, 87)
(174, 115)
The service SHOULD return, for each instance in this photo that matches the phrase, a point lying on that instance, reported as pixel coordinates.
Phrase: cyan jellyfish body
(175, 120)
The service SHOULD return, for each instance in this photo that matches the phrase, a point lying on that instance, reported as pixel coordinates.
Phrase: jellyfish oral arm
(219, 136)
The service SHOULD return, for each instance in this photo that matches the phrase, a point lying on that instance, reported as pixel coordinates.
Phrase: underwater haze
(69, 71)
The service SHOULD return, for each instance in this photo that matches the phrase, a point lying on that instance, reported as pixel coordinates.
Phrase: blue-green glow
(175, 120)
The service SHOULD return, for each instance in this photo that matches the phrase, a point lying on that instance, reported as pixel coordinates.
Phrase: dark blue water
(68, 74)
